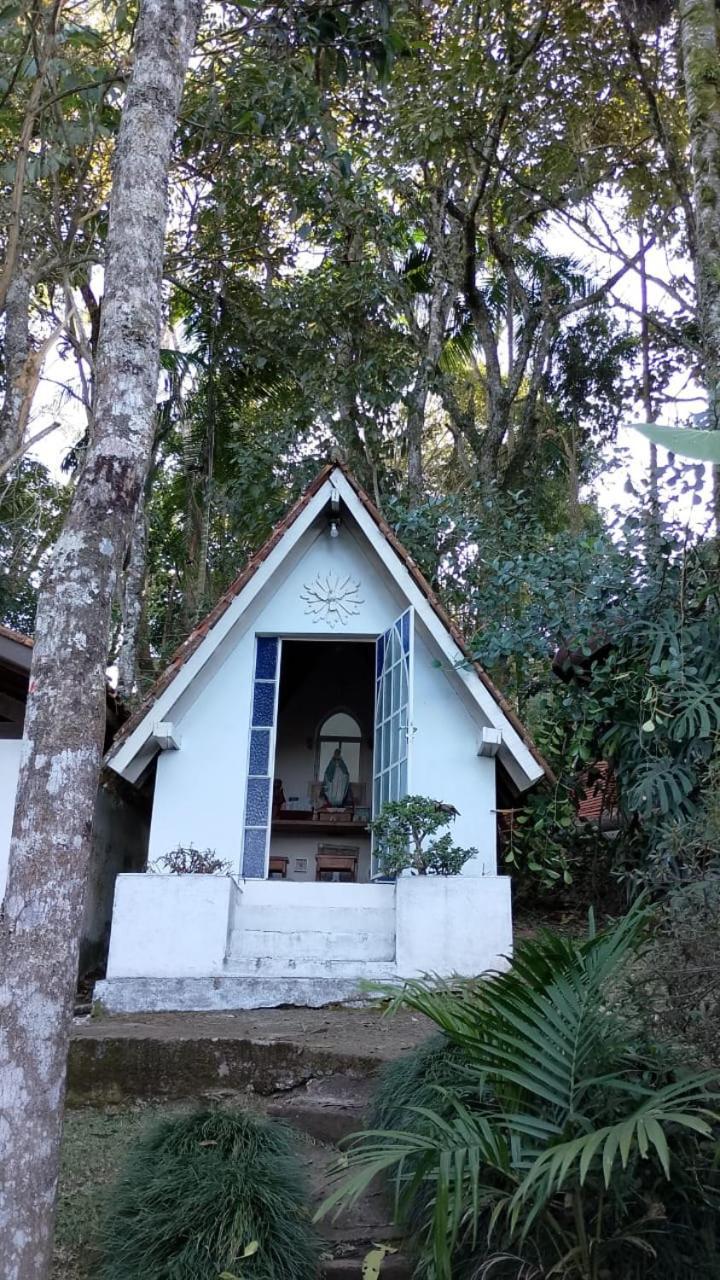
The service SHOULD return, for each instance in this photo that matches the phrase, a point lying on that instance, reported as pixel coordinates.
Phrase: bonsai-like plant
(406, 838)
(186, 860)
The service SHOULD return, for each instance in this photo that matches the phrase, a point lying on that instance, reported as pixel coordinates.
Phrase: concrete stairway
(313, 1069)
(328, 1110)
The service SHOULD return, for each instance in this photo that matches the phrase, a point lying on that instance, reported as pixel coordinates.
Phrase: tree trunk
(700, 59)
(132, 607)
(21, 374)
(66, 706)
(416, 405)
(653, 513)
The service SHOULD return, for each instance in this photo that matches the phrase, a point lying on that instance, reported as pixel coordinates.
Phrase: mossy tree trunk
(65, 717)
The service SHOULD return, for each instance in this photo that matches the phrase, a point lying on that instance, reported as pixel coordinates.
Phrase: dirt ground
(366, 1032)
(94, 1146)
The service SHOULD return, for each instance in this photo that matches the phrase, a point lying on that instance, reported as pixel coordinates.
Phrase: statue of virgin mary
(336, 781)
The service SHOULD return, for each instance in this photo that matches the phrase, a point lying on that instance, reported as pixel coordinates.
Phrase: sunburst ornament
(332, 599)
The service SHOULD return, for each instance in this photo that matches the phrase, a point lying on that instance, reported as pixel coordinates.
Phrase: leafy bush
(561, 1142)
(414, 1080)
(186, 860)
(403, 841)
(209, 1193)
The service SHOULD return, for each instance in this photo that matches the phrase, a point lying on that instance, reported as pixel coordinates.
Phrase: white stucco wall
(200, 788)
(451, 925)
(9, 768)
(444, 762)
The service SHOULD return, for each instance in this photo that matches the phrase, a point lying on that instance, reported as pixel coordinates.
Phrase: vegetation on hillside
(545, 1134)
(455, 243)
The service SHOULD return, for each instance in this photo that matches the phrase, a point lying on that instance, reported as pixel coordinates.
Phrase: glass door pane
(393, 689)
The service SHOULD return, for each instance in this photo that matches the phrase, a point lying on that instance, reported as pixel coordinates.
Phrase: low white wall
(167, 926)
(452, 925)
(171, 928)
(9, 768)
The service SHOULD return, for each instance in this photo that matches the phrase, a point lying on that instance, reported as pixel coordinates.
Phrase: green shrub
(198, 1190)
(414, 1081)
(406, 839)
(545, 1136)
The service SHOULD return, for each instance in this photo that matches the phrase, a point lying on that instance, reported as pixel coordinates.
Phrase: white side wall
(200, 789)
(444, 762)
(451, 925)
(9, 769)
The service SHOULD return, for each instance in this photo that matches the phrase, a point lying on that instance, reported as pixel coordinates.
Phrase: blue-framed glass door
(261, 758)
(393, 702)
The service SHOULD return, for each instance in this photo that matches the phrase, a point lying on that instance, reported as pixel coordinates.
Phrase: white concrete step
(360, 943)
(304, 966)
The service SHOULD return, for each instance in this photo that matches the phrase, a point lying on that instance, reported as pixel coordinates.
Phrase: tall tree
(700, 42)
(66, 705)
(61, 67)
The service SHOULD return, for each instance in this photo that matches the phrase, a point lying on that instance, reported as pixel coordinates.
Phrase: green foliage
(32, 509)
(647, 703)
(412, 1082)
(561, 1142)
(406, 839)
(198, 1191)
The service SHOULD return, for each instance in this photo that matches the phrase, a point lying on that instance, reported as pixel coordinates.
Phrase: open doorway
(322, 780)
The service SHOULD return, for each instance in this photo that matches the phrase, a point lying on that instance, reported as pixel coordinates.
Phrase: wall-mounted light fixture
(333, 515)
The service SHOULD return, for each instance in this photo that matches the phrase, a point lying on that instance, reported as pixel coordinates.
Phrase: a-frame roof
(529, 765)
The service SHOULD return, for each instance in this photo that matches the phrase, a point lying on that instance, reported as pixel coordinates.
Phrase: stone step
(349, 1233)
(232, 992)
(328, 1109)
(394, 1267)
(204, 1055)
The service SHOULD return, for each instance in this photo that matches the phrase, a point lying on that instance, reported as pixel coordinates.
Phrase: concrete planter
(452, 924)
(167, 926)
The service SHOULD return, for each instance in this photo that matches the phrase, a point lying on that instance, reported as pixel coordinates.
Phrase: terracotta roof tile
(597, 794)
(8, 634)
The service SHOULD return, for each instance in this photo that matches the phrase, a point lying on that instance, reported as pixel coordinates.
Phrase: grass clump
(208, 1193)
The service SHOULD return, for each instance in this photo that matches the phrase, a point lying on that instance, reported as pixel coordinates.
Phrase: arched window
(339, 730)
